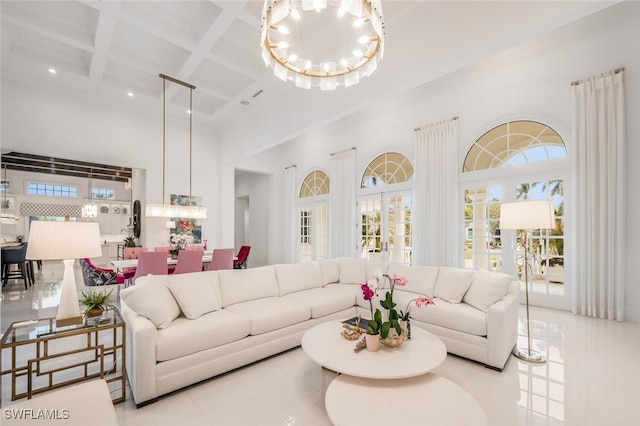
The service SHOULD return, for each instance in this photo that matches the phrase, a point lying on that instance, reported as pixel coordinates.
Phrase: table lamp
(527, 215)
(65, 241)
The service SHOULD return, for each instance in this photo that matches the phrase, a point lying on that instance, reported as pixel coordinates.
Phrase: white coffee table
(324, 344)
(394, 384)
(423, 400)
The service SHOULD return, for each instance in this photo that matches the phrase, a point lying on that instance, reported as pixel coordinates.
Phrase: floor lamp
(65, 241)
(527, 215)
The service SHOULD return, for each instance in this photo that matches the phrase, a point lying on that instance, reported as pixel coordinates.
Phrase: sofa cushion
(196, 293)
(421, 279)
(298, 276)
(323, 301)
(452, 283)
(187, 336)
(455, 316)
(151, 298)
(330, 271)
(486, 289)
(353, 271)
(241, 285)
(271, 313)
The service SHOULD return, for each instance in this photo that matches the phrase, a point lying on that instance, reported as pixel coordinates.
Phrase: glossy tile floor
(592, 377)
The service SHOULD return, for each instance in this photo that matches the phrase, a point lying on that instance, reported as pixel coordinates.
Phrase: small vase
(373, 342)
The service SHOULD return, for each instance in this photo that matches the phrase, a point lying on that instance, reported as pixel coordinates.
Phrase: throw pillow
(194, 296)
(353, 271)
(453, 283)
(151, 298)
(487, 288)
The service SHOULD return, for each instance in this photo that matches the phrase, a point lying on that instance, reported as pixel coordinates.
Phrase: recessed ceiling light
(130, 94)
(244, 103)
(52, 71)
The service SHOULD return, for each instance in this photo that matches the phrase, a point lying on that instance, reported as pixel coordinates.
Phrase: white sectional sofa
(182, 329)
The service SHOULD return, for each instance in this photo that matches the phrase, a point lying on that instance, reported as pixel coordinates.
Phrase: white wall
(532, 82)
(256, 189)
(41, 120)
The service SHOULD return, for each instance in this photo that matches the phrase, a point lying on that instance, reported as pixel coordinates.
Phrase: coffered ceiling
(107, 49)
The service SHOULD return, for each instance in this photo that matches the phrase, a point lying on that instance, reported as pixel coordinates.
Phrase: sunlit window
(513, 143)
(386, 169)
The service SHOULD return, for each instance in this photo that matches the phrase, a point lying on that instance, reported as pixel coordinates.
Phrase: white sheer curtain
(289, 214)
(342, 203)
(598, 128)
(435, 199)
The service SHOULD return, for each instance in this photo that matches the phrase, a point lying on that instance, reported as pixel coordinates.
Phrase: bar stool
(16, 256)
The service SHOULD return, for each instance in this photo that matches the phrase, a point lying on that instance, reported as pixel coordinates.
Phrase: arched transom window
(316, 183)
(516, 142)
(386, 169)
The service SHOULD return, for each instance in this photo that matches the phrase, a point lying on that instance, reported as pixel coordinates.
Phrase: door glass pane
(399, 214)
(370, 229)
(483, 245)
(313, 232)
(546, 245)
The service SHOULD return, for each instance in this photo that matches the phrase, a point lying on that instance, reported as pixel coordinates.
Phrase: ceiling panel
(108, 47)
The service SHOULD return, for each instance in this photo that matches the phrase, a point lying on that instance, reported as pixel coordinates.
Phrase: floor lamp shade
(527, 215)
(65, 241)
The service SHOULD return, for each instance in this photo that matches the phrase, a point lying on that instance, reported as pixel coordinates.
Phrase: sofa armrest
(502, 326)
(141, 354)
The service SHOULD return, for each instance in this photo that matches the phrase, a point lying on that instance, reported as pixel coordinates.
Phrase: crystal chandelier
(171, 210)
(322, 43)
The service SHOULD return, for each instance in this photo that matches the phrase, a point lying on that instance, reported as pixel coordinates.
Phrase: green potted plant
(96, 302)
(129, 240)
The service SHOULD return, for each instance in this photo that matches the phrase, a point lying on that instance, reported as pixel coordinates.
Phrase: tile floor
(592, 377)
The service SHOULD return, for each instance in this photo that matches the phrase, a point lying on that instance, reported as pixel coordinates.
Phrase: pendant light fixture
(322, 43)
(169, 210)
(90, 209)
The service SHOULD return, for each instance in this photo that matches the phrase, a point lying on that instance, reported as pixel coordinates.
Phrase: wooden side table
(44, 356)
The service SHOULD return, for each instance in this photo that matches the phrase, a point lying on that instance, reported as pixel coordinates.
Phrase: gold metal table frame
(45, 356)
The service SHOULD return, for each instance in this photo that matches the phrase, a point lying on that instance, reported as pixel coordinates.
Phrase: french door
(485, 246)
(385, 227)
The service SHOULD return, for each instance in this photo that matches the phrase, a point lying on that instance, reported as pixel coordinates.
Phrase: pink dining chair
(221, 259)
(189, 261)
(151, 262)
(129, 254)
(195, 248)
(164, 249)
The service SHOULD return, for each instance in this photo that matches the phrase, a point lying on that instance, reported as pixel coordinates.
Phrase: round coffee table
(427, 399)
(324, 344)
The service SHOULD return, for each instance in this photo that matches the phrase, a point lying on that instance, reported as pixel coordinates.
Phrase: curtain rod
(175, 80)
(420, 128)
(616, 71)
(293, 166)
(353, 148)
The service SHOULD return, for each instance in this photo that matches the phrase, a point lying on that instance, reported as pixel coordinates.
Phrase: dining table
(121, 264)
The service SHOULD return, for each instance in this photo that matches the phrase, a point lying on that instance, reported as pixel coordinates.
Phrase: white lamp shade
(527, 215)
(63, 240)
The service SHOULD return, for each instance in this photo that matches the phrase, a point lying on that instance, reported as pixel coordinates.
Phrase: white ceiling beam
(104, 35)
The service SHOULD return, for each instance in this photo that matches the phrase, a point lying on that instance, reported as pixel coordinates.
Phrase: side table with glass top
(40, 356)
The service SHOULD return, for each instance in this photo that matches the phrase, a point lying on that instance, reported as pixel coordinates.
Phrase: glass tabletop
(30, 330)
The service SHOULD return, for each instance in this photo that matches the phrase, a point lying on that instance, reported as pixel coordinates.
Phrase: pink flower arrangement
(420, 301)
(374, 324)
